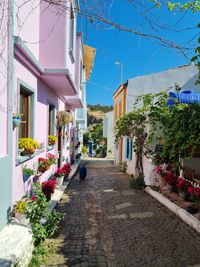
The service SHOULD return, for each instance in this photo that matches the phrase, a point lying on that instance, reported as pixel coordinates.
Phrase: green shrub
(137, 183)
(123, 166)
(43, 223)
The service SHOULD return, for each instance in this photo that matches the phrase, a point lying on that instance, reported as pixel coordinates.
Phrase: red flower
(59, 173)
(66, 168)
(183, 184)
(48, 188)
(41, 159)
(171, 178)
(33, 198)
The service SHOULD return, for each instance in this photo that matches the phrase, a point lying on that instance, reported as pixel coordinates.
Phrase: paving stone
(95, 233)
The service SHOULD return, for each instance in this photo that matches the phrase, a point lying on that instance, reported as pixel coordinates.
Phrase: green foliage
(137, 183)
(97, 133)
(101, 151)
(100, 107)
(86, 138)
(40, 254)
(123, 166)
(177, 128)
(43, 223)
(28, 171)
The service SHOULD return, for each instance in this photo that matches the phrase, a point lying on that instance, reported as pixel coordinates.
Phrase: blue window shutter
(127, 148)
(131, 148)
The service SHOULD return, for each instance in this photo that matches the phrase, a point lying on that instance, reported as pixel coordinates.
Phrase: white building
(183, 76)
(108, 132)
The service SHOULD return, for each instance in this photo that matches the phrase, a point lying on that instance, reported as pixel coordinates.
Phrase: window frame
(32, 92)
(53, 127)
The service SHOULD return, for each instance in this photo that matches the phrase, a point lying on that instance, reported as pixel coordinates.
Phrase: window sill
(22, 159)
(50, 147)
(71, 54)
(42, 176)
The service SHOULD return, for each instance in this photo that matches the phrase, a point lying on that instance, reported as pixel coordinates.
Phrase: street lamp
(121, 69)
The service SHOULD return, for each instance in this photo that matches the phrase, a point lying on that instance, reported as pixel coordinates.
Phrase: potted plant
(63, 118)
(52, 140)
(19, 211)
(27, 172)
(171, 181)
(43, 165)
(17, 119)
(28, 145)
(84, 150)
(48, 188)
(183, 186)
(59, 176)
(51, 158)
(66, 169)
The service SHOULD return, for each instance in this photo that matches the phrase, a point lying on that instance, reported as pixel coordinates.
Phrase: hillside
(96, 113)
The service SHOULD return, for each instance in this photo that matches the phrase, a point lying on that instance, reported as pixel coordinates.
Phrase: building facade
(183, 76)
(120, 99)
(108, 132)
(44, 76)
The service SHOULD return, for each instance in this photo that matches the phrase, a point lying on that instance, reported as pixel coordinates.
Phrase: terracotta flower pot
(28, 151)
(43, 169)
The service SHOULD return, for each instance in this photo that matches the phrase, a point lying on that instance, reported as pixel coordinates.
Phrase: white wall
(184, 76)
(108, 131)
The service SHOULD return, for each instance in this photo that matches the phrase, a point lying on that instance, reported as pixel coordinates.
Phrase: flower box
(59, 181)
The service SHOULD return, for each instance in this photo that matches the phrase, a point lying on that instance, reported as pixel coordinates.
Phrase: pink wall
(26, 24)
(43, 96)
(55, 38)
(4, 84)
(79, 60)
(46, 33)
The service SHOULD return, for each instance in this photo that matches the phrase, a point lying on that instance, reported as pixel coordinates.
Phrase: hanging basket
(63, 118)
(16, 122)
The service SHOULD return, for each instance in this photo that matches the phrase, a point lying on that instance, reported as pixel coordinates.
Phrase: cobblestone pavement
(108, 224)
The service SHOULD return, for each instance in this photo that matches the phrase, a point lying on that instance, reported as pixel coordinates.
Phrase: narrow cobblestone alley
(109, 224)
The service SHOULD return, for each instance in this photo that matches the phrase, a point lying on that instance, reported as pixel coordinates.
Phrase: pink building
(43, 76)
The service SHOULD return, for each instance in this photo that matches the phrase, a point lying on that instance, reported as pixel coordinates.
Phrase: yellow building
(119, 98)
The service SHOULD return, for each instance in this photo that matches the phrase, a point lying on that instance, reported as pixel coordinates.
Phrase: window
(25, 109)
(51, 118)
(71, 45)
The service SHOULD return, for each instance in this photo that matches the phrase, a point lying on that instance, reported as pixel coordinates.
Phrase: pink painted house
(46, 66)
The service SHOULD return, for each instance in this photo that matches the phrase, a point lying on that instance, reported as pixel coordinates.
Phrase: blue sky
(138, 55)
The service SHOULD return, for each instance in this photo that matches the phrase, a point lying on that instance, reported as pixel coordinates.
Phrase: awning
(74, 102)
(88, 60)
(187, 97)
(60, 81)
